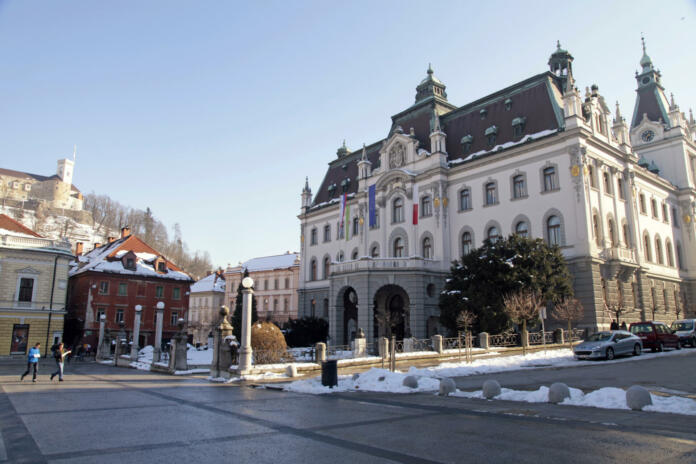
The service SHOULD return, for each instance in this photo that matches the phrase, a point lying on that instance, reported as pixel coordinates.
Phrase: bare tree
(522, 306)
(570, 310)
(616, 310)
(465, 319)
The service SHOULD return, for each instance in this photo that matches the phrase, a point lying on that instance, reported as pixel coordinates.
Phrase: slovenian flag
(415, 204)
(347, 226)
(372, 193)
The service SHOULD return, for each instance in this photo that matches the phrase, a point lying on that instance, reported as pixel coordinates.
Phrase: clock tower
(651, 99)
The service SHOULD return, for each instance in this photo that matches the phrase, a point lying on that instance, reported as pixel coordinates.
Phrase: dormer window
(161, 266)
(332, 190)
(518, 126)
(345, 185)
(130, 263)
(483, 113)
(508, 104)
(466, 143)
(491, 134)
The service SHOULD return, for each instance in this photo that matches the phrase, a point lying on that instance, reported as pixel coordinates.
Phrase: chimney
(79, 246)
(110, 239)
(125, 232)
(97, 245)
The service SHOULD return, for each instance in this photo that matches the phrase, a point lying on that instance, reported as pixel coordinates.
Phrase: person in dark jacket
(59, 354)
(33, 361)
(614, 325)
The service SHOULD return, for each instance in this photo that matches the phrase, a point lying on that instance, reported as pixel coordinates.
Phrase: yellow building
(33, 288)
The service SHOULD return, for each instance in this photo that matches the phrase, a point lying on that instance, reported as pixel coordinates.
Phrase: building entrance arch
(347, 313)
(392, 312)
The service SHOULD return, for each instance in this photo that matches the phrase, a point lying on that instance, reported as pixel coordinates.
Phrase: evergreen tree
(479, 281)
(237, 314)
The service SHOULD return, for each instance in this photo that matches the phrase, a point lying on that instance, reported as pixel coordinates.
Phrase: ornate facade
(536, 158)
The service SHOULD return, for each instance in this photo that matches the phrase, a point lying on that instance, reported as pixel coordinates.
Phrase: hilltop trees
(480, 280)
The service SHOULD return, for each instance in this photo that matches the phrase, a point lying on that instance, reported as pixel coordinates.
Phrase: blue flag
(373, 212)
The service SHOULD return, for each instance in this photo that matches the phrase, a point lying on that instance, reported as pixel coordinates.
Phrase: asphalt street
(114, 415)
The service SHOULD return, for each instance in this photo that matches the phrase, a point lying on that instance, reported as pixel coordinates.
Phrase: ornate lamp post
(245, 352)
(136, 333)
(157, 352)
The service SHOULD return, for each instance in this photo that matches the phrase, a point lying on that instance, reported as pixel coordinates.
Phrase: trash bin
(329, 373)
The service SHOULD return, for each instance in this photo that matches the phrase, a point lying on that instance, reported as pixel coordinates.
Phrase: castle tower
(65, 170)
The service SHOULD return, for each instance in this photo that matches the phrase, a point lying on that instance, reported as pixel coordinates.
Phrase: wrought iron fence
(339, 352)
(577, 334)
(422, 344)
(504, 339)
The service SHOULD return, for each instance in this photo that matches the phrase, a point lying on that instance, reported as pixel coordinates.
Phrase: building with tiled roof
(536, 158)
(113, 278)
(276, 280)
(33, 286)
(55, 191)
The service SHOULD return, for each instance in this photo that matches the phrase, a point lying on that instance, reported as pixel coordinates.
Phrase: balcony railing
(12, 241)
(385, 264)
(618, 254)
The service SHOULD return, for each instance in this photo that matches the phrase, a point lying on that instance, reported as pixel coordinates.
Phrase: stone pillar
(408, 345)
(100, 344)
(136, 333)
(172, 355)
(558, 336)
(383, 347)
(484, 340)
(157, 352)
(179, 353)
(320, 353)
(245, 352)
(223, 341)
(437, 344)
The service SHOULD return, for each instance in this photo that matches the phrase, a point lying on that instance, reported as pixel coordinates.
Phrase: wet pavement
(113, 415)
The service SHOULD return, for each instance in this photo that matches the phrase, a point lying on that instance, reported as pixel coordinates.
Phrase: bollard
(558, 336)
(484, 340)
(320, 353)
(437, 343)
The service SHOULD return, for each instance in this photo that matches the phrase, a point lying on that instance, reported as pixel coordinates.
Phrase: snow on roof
(211, 283)
(12, 227)
(268, 263)
(107, 259)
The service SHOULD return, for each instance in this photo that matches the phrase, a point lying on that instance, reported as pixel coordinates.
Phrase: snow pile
(605, 398)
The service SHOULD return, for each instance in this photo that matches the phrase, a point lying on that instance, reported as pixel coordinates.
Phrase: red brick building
(113, 278)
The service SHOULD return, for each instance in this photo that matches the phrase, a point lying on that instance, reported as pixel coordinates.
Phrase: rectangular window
(122, 289)
(675, 218)
(426, 207)
(356, 226)
(159, 292)
(174, 318)
(665, 215)
(518, 188)
(313, 237)
(265, 284)
(119, 315)
(607, 182)
(464, 200)
(376, 224)
(620, 188)
(101, 311)
(491, 196)
(287, 282)
(550, 181)
(641, 203)
(26, 289)
(103, 288)
(591, 175)
(176, 293)
(327, 233)
(653, 207)
(142, 290)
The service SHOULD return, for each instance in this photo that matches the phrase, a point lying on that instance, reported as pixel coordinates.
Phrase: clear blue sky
(212, 113)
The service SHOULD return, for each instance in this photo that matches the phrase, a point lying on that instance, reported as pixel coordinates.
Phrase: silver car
(686, 330)
(609, 344)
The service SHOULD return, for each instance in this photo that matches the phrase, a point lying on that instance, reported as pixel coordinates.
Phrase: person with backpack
(59, 354)
(32, 361)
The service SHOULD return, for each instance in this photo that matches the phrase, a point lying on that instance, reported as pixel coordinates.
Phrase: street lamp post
(245, 352)
(157, 351)
(136, 333)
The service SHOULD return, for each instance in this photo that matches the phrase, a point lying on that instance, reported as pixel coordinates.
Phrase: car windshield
(641, 328)
(683, 325)
(599, 337)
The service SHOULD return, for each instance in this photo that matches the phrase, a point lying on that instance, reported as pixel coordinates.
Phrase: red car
(655, 335)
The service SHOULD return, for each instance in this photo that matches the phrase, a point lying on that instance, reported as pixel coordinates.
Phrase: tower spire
(430, 87)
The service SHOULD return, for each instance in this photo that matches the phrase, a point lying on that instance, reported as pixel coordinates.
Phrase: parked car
(609, 344)
(655, 335)
(686, 331)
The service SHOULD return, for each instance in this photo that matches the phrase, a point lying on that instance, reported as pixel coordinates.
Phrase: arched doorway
(391, 312)
(350, 315)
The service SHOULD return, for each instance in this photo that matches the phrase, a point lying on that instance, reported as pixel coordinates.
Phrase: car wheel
(678, 344)
(610, 354)
(636, 350)
(661, 347)
(693, 342)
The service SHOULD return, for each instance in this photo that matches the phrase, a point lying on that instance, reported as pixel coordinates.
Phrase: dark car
(655, 335)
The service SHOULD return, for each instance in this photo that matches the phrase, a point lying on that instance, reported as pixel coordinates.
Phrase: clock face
(647, 136)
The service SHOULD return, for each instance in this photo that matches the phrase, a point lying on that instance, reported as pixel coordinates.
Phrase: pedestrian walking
(59, 354)
(614, 325)
(623, 326)
(33, 361)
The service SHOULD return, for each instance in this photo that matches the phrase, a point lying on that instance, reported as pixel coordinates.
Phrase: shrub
(268, 343)
(306, 331)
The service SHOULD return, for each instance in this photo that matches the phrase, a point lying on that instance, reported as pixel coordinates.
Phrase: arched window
(493, 234)
(340, 256)
(658, 251)
(327, 267)
(427, 248)
(374, 252)
(626, 235)
(553, 230)
(398, 210)
(612, 232)
(595, 229)
(522, 229)
(670, 255)
(313, 269)
(646, 246)
(354, 255)
(398, 247)
(466, 243)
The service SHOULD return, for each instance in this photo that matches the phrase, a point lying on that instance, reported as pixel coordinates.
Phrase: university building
(539, 158)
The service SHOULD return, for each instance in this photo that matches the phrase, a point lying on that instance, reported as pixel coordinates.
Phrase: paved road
(112, 415)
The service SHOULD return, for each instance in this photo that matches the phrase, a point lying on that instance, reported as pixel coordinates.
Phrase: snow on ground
(193, 357)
